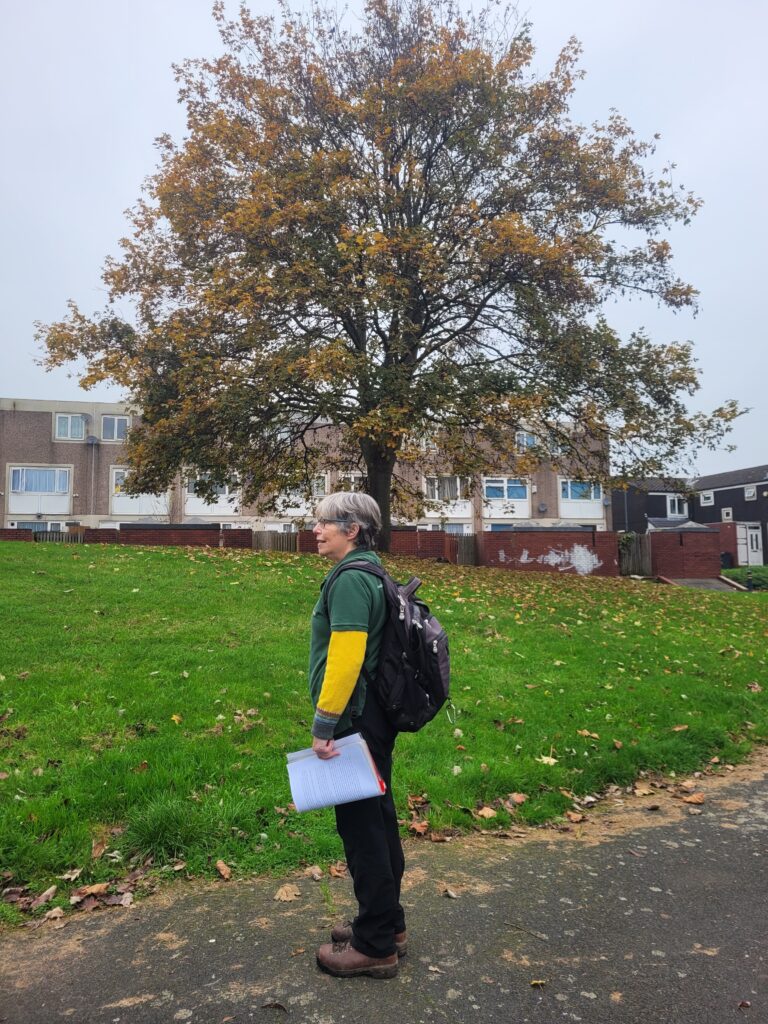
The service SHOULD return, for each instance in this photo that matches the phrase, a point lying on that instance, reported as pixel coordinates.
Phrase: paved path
(635, 917)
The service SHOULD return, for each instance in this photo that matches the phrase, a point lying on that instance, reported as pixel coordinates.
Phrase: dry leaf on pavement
(224, 870)
(287, 893)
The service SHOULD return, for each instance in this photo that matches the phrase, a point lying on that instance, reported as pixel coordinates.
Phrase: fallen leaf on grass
(98, 846)
(44, 897)
(518, 798)
(544, 759)
(642, 790)
(4, 776)
(694, 798)
(224, 870)
(587, 734)
(435, 970)
(450, 894)
(141, 767)
(88, 892)
(486, 812)
(679, 728)
(298, 951)
(618, 744)
(287, 894)
(755, 688)
(177, 719)
(71, 876)
(315, 873)
(574, 816)
(338, 870)
(420, 828)
(54, 915)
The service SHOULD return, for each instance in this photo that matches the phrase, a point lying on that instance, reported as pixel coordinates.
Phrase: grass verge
(148, 698)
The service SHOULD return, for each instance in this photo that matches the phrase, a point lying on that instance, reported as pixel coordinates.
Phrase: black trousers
(371, 838)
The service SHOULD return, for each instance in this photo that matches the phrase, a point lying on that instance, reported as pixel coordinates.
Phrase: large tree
(400, 232)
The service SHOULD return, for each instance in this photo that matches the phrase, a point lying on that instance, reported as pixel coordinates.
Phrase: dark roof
(753, 475)
(668, 485)
(675, 524)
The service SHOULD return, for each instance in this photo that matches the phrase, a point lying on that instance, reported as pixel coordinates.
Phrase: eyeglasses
(324, 522)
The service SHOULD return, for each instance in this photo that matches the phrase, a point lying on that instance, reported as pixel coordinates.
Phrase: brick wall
(237, 538)
(685, 554)
(15, 535)
(425, 544)
(579, 552)
(728, 544)
(104, 536)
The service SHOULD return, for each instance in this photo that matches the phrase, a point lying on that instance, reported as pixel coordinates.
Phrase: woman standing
(347, 627)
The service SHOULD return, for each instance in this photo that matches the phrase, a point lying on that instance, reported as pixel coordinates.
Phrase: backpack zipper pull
(402, 609)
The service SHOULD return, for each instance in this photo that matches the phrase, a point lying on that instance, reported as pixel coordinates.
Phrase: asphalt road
(635, 917)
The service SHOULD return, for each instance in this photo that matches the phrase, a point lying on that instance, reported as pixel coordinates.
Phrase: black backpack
(413, 676)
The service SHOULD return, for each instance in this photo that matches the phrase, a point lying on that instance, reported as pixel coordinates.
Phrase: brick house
(63, 466)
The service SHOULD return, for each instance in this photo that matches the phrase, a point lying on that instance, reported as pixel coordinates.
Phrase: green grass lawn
(759, 574)
(148, 698)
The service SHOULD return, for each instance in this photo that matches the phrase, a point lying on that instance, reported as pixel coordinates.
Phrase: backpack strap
(369, 567)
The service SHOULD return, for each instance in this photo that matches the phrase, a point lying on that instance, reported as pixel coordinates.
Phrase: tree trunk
(380, 466)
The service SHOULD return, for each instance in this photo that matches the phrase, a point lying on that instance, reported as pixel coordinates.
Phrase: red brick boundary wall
(576, 552)
(728, 544)
(685, 554)
(680, 554)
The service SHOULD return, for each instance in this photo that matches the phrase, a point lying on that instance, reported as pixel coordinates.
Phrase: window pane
(597, 491)
(108, 428)
(77, 428)
(516, 489)
(580, 491)
(318, 487)
(39, 481)
(119, 481)
(17, 480)
(448, 488)
(62, 426)
(62, 481)
(432, 488)
(494, 488)
(121, 427)
(564, 489)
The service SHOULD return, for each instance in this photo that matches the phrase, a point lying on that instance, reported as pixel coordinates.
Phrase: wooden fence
(273, 540)
(635, 554)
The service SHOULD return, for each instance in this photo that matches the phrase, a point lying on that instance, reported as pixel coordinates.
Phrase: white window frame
(70, 417)
(61, 480)
(505, 482)
(115, 417)
(726, 515)
(706, 498)
(676, 499)
(432, 488)
(596, 493)
(524, 441)
(750, 493)
(350, 481)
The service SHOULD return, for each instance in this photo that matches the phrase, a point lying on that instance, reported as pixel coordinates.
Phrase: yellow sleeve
(346, 653)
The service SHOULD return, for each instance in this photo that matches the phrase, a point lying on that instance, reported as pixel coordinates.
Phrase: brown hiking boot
(343, 961)
(343, 933)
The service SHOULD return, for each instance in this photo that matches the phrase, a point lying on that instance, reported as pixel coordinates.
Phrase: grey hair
(353, 507)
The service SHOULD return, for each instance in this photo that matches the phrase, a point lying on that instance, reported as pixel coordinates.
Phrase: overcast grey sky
(87, 85)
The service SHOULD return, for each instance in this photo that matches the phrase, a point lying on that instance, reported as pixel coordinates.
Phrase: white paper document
(338, 780)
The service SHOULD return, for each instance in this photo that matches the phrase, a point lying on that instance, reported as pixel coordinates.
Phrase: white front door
(754, 544)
